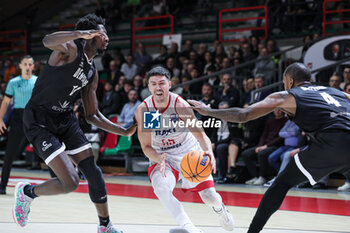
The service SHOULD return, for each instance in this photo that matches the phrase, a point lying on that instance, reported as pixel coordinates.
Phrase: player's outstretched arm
(58, 40)
(282, 100)
(94, 116)
(186, 113)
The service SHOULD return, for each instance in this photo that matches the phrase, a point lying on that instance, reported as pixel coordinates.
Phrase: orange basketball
(196, 166)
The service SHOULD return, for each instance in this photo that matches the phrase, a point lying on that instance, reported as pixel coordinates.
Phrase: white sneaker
(187, 228)
(344, 187)
(109, 229)
(225, 218)
(251, 181)
(22, 204)
(260, 181)
(270, 182)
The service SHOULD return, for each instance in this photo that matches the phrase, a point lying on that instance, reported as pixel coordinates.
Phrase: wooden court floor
(134, 208)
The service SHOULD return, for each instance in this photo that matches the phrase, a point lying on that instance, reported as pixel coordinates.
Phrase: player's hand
(163, 165)
(294, 152)
(2, 127)
(130, 131)
(212, 160)
(89, 34)
(200, 107)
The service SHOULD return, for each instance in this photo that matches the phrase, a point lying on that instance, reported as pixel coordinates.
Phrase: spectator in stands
(265, 66)
(188, 49)
(186, 93)
(197, 62)
(228, 92)
(226, 63)
(170, 65)
(196, 88)
(247, 53)
(279, 159)
(120, 83)
(2, 90)
(271, 46)
(163, 56)
(208, 58)
(111, 101)
(138, 85)
(259, 82)
(213, 80)
(347, 88)
(129, 68)
(10, 69)
(307, 44)
(220, 139)
(254, 44)
(231, 52)
(141, 58)
(269, 142)
(113, 74)
(175, 81)
(126, 118)
(334, 81)
(346, 77)
(247, 86)
(174, 51)
(123, 92)
(220, 52)
(202, 49)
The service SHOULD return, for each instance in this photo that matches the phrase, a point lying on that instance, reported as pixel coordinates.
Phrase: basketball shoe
(187, 228)
(109, 229)
(225, 218)
(21, 208)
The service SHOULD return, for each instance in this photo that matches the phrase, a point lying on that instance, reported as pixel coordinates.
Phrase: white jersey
(171, 138)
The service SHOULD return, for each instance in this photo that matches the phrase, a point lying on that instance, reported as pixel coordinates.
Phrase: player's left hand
(212, 160)
(200, 107)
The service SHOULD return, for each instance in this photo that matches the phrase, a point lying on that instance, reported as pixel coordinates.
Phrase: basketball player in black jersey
(53, 129)
(322, 112)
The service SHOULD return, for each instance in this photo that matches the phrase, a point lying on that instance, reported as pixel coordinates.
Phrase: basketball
(196, 166)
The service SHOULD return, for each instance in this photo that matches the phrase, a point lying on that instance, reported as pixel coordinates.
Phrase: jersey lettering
(329, 99)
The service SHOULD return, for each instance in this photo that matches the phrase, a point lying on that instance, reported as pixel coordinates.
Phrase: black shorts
(51, 134)
(327, 152)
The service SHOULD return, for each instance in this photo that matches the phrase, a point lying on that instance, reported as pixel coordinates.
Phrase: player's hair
(26, 57)
(299, 72)
(89, 22)
(159, 70)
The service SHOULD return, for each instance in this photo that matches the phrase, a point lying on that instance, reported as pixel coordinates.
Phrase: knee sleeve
(211, 198)
(93, 174)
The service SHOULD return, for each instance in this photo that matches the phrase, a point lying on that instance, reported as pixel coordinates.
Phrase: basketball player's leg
(163, 188)
(212, 199)
(97, 187)
(275, 195)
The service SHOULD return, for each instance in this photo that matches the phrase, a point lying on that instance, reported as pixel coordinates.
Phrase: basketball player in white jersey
(166, 145)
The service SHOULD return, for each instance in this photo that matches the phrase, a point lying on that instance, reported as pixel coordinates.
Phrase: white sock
(163, 188)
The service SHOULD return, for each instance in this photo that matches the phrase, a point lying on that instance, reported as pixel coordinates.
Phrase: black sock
(104, 221)
(29, 191)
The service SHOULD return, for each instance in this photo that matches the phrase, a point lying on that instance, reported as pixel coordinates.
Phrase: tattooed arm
(282, 100)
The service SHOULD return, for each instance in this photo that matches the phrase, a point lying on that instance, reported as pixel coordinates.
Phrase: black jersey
(320, 108)
(57, 86)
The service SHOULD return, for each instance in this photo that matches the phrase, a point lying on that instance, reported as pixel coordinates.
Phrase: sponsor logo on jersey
(75, 89)
(80, 75)
(152, 120)
(46, 145)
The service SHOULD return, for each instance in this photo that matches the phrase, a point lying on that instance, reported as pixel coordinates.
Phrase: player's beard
(99, 51)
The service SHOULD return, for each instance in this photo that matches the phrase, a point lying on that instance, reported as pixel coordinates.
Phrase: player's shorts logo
(152, 120)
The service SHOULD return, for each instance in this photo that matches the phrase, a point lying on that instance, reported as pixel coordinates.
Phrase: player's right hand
(163, 165)
(2, 127)
(89, 34)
